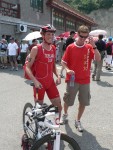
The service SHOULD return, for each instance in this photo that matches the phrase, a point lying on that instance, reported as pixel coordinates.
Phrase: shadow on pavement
(86, 140)
(110, 73)
(15, 73)
(104, 84)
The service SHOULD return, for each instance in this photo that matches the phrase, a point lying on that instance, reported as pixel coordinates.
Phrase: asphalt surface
(97, 120)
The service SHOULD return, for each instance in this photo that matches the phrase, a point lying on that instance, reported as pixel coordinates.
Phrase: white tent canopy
(32, 35)
(97, 32)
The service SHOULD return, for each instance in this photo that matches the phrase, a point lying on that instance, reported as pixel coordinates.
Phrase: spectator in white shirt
(12, 53)
(23, 52)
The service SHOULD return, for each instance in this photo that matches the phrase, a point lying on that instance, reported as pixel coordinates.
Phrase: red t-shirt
(78, 59)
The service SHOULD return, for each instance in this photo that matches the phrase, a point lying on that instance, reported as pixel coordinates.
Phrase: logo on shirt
(50, 57)
(86, 60)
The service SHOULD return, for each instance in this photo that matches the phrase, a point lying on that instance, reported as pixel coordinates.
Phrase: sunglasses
(83, 36)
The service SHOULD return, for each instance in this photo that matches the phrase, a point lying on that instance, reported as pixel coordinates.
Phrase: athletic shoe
(16, 69)
(2, 67)
(109, 69)
(78, 126)
(62, 76)
(12, 68)
(64, 119)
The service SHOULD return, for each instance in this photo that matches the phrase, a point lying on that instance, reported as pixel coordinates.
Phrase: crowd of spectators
(13, 52)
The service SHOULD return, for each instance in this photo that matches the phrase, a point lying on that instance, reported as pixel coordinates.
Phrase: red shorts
(52, 92)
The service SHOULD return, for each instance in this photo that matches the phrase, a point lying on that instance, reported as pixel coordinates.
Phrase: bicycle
(43, 123)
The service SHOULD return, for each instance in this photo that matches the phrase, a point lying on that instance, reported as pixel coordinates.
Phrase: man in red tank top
(44, 57)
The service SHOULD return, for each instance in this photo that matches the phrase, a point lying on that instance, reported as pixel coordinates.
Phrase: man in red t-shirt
(44, 68)
(77, 63)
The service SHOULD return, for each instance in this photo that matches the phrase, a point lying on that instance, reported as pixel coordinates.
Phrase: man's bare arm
(31, 59)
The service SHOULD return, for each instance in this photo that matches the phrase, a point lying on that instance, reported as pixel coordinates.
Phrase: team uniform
(44, 74)
(78, 59)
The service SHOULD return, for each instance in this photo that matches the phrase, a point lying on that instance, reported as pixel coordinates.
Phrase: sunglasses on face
(83, 36)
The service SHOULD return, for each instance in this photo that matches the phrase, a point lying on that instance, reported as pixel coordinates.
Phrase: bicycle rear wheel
(66, 143)
(29, 125)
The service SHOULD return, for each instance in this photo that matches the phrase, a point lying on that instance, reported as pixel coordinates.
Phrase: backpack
(3, 47)
(109, 49)
(33, 66)
(101, 46)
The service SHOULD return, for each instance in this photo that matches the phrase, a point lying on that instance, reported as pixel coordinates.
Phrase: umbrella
(66, 34)
(32, 35)
(97, 32)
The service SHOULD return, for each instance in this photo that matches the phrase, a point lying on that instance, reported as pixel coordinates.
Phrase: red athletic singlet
(44, 73)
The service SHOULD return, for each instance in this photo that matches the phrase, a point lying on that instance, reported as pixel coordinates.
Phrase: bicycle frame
(50, 125)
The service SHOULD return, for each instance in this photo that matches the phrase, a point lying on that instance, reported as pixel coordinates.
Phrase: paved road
(97, 120)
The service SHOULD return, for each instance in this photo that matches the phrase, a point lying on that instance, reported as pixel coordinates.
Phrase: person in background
(69, 41)
(4, 36)
(101, 46)
(77, 63)
(44, 68)
(34, 43)
(18, 51)
(12, 53)
(109, 50)
(3, 53)
(60, 44)
(23, 52)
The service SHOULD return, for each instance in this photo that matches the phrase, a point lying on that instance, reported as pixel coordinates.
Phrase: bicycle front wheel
(66, 143)
(29, 125)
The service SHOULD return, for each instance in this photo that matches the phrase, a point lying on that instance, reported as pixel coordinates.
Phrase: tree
(87, 6)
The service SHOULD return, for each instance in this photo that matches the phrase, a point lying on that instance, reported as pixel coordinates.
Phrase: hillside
(104, 19)
(100, 10)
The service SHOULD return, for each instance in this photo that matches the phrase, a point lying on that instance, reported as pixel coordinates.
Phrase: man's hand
(58, 80)
(37, 84)
(70, 71)
(91, 41)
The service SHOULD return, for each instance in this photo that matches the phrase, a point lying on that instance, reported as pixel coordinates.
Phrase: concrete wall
(31, 15)
(12, 1)
(28, 15)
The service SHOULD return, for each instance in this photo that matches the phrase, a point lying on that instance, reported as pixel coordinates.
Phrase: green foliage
(87, 6)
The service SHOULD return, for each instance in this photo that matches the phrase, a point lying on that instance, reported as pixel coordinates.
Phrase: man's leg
(38, 95)
(15, 61)
(81, 109)
(94, 70)
(79, 115)
(65, 108)
(57, 102)
(84, 99)
(11, 62)
(99, 69)
(69, 98)
(5, 61)
(53, 95)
